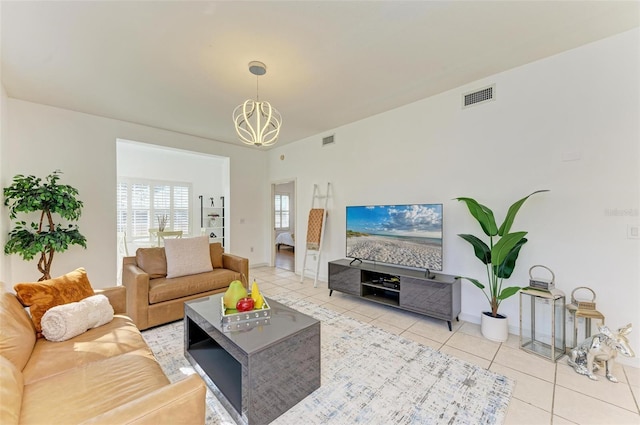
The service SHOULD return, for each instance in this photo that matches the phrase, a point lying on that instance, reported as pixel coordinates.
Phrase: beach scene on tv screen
(408, 235)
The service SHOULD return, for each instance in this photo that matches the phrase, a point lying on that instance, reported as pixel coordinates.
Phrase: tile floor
(545, 392)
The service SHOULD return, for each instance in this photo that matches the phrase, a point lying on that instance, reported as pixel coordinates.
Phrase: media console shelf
(406, 289)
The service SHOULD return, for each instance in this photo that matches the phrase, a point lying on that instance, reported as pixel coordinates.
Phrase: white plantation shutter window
(161, 204)
(122, 207)
(285, 211)
(278, 207)
(140, 210)
(180, 216)
(282, 211)
(141, 202)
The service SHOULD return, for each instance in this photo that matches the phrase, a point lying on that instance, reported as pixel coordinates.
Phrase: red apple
(245, 304)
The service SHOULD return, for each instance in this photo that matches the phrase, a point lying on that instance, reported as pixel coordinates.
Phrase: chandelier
(256, 122)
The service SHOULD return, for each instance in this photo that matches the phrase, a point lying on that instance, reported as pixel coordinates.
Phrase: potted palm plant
(499, 256)
(44, 237)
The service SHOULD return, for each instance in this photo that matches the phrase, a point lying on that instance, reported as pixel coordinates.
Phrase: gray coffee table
(260, 373)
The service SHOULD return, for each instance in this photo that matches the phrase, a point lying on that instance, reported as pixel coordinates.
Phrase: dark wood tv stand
(437, 296)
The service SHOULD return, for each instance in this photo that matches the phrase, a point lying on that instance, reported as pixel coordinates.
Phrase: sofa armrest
(237, 264)
(117, 296)
(180, 403)
(136, 282)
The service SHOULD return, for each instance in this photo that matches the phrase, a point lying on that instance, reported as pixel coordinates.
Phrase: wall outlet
(251, 249)
(633, 231)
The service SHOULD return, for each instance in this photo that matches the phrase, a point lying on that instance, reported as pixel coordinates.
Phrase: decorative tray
(245, 320)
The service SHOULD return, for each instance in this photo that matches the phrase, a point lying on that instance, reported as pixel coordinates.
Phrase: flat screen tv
(405, 235)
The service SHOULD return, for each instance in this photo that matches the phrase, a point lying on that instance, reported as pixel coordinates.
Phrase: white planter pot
(494, 328)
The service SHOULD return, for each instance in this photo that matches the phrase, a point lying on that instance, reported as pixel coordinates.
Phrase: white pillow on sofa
(65, 321)
(187, 256)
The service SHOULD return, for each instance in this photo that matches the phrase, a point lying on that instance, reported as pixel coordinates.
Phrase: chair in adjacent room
(172, 234)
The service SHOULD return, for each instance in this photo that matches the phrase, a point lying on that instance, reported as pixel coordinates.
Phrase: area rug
(369, 376)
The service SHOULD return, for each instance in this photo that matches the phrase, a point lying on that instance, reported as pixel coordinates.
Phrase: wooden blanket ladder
(315, 231)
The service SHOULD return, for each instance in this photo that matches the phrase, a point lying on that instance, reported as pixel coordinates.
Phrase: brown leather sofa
(107, 375)
(153, 299)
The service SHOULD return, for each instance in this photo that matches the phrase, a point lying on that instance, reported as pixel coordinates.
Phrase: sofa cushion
(187, 256)
(153, 261)
(41, 296)
(92, 389)
(165, 289)
(216, 250)
(17, 333)
(11, 387)
(113, 339)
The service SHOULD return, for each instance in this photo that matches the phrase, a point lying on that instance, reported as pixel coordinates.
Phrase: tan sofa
(153, 299)
(107, 375)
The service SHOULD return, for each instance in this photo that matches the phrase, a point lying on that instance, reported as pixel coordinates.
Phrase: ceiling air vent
(479, 96)
(328, 140)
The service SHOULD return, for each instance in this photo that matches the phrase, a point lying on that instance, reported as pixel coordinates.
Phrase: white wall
(42, 139)
(5, 263)
(581, 104)
(207, 174)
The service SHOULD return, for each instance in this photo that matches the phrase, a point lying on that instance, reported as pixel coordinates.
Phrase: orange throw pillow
(41, 296)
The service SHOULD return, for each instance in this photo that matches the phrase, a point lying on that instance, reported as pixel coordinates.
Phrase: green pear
(233, 294)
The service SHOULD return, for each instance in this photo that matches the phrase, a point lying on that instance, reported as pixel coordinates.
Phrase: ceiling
(183, 66)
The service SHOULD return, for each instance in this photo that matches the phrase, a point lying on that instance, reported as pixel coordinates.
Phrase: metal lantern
(542, 320)
(583, 309)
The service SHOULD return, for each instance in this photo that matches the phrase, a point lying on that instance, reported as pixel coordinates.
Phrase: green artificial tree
(45, 237)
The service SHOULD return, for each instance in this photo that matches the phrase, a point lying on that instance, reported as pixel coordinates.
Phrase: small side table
(542, 322)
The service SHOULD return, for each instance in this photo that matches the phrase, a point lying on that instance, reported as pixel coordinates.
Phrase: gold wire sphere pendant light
(257, 122)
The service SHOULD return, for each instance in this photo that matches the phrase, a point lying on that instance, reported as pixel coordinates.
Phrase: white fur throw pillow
(65, 321)
(187, 256)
